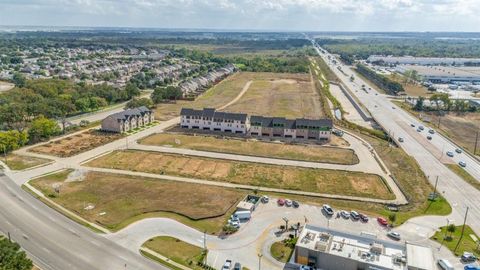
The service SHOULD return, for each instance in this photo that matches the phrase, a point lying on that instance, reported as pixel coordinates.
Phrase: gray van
(445, 264)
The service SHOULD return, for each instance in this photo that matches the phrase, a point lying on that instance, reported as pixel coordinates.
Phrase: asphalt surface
(397, 122)
(56, 242)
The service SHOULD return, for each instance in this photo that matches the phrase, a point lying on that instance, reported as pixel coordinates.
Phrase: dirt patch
(76, 144)
(5, 86)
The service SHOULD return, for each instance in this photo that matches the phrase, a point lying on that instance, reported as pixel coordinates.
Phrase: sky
(273, 15)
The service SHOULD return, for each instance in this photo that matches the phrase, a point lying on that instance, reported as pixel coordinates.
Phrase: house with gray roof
(210, 119)
(128, 119)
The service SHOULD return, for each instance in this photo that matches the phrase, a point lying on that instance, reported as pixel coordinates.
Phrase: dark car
(237, 266)
(468, 257)
(429, 137)
(295, 204)
(364, 218)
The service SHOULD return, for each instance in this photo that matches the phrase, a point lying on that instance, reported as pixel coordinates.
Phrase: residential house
(209, 119)
(127, 120)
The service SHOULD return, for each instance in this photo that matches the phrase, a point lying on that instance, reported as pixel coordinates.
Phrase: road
(55, 242)
(397, 122)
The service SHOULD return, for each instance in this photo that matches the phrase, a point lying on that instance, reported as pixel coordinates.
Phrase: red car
(281, 202)
(382, 221)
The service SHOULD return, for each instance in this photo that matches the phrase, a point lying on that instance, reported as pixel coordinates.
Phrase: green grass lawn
(176, 250)
(464, 175)
(281, 252)
(17, 162)
(466, 245)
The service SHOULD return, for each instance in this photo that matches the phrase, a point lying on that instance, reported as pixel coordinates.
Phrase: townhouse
(256, 126)
(127, 120)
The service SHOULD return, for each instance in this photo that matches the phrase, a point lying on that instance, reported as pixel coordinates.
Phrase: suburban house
(256, 126)
(127, 120)
(209, 119)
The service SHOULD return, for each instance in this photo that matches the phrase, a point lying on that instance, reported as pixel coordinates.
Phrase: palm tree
(451, 229)
(392, 217)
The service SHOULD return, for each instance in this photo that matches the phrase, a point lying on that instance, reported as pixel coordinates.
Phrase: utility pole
(463, 230)
(474, 149)
(260, 255)
(435, 188)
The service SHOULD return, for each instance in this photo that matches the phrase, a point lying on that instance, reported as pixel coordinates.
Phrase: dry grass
(17, 162)
(176, 250)
(254, 174)
(283, 95)
(76, 144)
(256, 148)
(125, 199)
(411, 89)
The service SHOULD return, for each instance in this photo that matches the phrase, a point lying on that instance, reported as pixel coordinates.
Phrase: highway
(397, 122)
(57, 243)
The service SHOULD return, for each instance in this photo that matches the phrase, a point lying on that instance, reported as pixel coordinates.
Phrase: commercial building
(127, 120)
(410, 60)
(325, 248)
(256, 126)
(441, 74)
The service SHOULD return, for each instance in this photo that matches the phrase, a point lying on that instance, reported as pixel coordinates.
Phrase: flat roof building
(441, 74)
(335, 250)
(410, 60)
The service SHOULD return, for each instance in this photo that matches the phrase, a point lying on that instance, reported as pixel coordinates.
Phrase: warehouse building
(410, 60)
(440, 74)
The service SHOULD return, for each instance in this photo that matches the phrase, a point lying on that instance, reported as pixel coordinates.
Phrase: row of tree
(381, 81)
(12, 257)
(273, 64)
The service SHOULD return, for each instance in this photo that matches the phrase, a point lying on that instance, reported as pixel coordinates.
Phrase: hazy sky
(317, 15)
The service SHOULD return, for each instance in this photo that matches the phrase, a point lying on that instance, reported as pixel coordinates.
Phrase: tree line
(379, 80)
(442, 102)
(12, 257)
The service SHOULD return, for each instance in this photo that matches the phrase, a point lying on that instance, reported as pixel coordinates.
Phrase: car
(429, 137)
(462, 164)
(237, 266)
(382, 221)
(394, 235)
(471, 267)
(468, 257)
(265, 199)
(393, 108)
(431, 131)
(305, 267)
(234, 224)
(450, 153)
(421, 127)
(281, 202)
(288, 202)
(345, 214)
(412, 125)
(227, 265)
(363, 217)
(458, 150)
(445, 264)
(419, 130)
(234, 218)
(354, 215)
(295, 204)
(400, 139)
(327, 209)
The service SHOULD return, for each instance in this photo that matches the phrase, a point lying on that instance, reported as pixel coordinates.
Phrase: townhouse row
(127, 120)
(256, 126)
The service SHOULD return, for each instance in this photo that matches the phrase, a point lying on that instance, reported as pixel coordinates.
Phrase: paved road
(55, 242)
(459, 193)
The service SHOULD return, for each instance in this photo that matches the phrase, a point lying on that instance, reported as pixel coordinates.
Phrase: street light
(260, 255)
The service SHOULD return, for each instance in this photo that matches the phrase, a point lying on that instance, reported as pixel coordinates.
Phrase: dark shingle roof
(124, 115)
(235, 116)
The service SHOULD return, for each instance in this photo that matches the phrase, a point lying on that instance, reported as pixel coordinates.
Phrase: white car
(462, 163)
(304, 267)
(394, 235)
(227, 265)
(265, 199)
(345, 214)
(288, 202)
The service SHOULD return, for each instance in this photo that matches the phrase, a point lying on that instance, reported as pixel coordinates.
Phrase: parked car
(458, 150)
(354, 215)
(281, 202)
(462, 163)
(327, 209)
(419, 130)
(288, 202)
(382, 221)
(364, 217)
(265, 199)
(227, 265)
(234, 218)
(431, 131)
(421, 127)
(237, 266)
(400, 139)
(450, 153)
(304, 267)
(468, 257)
(295, 204)
(412, 125)
(445, 264)
(345, 214)
(429, 137)
(471, 267)
(394, 235)
(235, 224)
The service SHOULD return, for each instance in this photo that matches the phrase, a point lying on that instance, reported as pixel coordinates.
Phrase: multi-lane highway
(427, 153)
(57, 243)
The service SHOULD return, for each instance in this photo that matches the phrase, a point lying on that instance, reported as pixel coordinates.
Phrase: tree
(43, 128)
(12, 140)
(392, 217)
(451, 229)
(19, 79)
(419, 104)
(161, 94)
(138, 102)
(132, 90)
(12, 258)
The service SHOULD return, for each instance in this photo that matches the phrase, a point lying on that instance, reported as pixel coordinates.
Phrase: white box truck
(243, 215)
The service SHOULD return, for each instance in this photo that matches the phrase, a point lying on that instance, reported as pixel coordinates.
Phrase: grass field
(281, 252)
(464, 175)
(254, 174)
(451, 239)
(257, 148)
(459, 127)
(411, 89)
(176, 250)
(76, 144)
(282, 95)
(126, 199)
(17, 162)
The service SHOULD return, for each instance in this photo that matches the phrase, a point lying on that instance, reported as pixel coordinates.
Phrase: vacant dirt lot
(293, 178)
(124, 199)
(278, 94)
(250, 147)
(76, 144)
